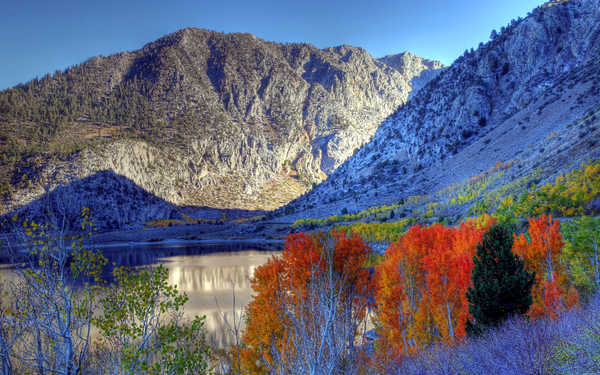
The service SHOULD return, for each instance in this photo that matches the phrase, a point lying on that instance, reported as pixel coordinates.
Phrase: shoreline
(258, 232)
(181, 242)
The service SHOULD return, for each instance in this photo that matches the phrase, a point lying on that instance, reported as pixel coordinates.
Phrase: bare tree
(54, 297)
(231, 363)
(10, 329)
(322, 325)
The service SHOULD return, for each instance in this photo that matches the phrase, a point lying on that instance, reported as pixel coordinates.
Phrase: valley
(388, 215)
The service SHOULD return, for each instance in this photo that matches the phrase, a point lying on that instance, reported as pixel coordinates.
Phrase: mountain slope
(527, 98)
(423, 70)
(200, 118)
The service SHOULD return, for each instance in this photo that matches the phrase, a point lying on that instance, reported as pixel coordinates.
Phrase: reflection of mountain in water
(219, 326)
(211, 279)
(210, 282)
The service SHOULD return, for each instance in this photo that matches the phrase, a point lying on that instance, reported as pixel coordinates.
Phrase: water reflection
(215, 283)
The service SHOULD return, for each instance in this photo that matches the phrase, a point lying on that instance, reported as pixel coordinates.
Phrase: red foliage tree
(285, 286)
(421, 287)
(541, 251)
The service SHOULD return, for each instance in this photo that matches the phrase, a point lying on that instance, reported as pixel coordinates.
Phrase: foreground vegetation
(312, 308)
(422, 293)
(58, 315)
(329, 304)
(568, 345)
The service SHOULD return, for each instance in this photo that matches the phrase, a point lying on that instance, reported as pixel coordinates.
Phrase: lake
(209, 274)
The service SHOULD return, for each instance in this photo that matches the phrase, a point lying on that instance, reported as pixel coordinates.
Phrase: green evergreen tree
(501, 285)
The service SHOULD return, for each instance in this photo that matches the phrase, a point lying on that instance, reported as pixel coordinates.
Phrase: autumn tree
(440, 265)
(581, 252)
(541, 250)
(322, 323)
(421, 286)
(572, 194)
(400, 285)
(264, 326)
(308, 306)
(458, 276)
(501, 285)
(572, 191)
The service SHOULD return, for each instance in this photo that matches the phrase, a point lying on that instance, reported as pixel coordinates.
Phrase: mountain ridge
(198, 118)
(516, 93)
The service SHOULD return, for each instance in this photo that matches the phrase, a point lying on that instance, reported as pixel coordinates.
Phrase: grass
(379, 232)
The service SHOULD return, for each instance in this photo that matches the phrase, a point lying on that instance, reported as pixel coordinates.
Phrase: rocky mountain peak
(407, 62)
(201, 118)
(419, 69)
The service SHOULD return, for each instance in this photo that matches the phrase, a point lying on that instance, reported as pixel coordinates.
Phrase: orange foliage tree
(282, 319)
(422, 284)
(264, 325)
(541, 250)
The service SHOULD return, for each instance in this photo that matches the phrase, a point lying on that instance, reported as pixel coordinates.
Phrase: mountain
(201, 118)
(527, 102)
(409, 65)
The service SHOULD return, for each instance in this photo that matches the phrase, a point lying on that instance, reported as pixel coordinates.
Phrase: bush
(569, 345)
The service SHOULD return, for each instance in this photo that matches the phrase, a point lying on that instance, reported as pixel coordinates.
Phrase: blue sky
(41, 36)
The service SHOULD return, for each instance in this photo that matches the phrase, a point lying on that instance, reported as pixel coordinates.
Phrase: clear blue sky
(41, 36)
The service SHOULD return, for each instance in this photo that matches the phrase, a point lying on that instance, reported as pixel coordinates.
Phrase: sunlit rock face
(218, 286)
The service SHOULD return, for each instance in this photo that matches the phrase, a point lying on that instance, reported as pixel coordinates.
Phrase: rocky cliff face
(512, 99)
(204, 118)
(423, 70)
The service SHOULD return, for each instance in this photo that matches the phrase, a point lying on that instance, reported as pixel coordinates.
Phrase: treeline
(379, 232)
(75, 94)
(374, 211)
(316, 297)
(571, 194)
(58, 115)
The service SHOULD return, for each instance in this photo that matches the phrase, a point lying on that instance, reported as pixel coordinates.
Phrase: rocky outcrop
(422, 70)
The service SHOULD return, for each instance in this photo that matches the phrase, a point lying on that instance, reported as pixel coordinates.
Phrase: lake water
(211, 276)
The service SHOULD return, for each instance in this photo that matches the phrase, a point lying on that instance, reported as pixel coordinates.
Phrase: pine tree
(501, 285)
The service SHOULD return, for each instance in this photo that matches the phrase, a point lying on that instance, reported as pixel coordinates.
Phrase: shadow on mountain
(421, 80)
(115, 203)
